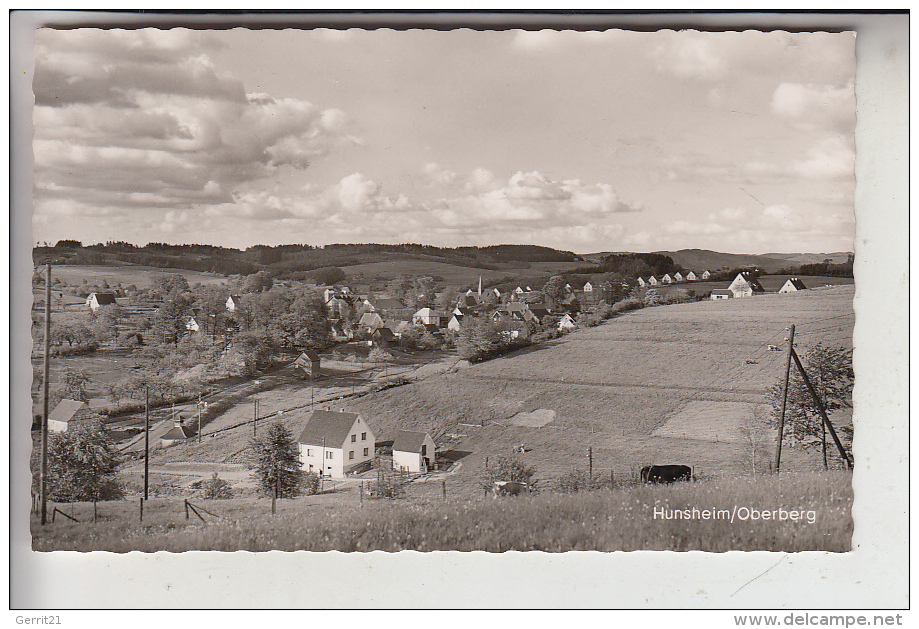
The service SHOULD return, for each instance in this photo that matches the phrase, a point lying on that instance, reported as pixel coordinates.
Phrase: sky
(738, 142)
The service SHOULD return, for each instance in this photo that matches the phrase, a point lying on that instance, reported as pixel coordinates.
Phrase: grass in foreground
(621, 519)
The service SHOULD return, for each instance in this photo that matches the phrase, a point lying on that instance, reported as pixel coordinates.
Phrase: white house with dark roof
(677, 277)
(745, 285)
(653, 281)
(566, 323)
(413, 451)
(641, 282)
(333, 443)
(69, 414)
(721, 293)
(94, 301)
(792, 285)
(706, 275)
(691, 277)
(233, 302)
(428, 316)
(309, 363)
(666, 279)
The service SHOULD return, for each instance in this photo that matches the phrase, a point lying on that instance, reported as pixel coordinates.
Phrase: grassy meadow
(603, 520)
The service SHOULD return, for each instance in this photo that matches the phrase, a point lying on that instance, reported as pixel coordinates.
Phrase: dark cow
(665, 473)
(511, 488)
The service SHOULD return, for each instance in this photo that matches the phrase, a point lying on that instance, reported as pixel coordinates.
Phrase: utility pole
(147, 442)
(590, 462)
(255, 419)
(43, 472)
(781, 433)
(199, 417)
(821, 410)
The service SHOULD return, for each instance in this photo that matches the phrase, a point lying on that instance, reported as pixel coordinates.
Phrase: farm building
(792, 285)
(191, 325)
(69, 414)
(566, 323)
(706, 275)
(653, 281)
(691, 277)
(309, 364)
(176, 434)
(333, 444)
(721, 293)
(666, 279)
(677, 277)
(370, 321)
(641, 282)
(413, 451)
(233, 302)
(383, 337)
(96, 300)
(745, 285)
(427, 316)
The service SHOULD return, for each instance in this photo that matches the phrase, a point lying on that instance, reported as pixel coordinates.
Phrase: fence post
(444, 487)
(186, 508)
(274, 497)
(141, 508)
(360, 487)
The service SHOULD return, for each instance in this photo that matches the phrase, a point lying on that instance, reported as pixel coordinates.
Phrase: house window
(365, 452)
(309, 452)
(351, 454)
(353, 438)
(363, 436)
(328, 455)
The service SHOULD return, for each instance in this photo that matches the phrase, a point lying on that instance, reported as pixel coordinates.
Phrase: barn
(413, 451)
(69, 414)
(96, 300)
(334, 444)
(793, 285)
(309, 363)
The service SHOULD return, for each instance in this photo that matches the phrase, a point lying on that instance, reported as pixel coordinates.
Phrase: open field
(604, 520)
(127, 274)
(770, 283)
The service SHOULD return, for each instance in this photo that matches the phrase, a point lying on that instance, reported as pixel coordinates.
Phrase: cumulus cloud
(816, 106)
(747, 230)
(145, 118)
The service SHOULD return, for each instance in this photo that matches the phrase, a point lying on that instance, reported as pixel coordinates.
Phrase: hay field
(611, 387)
(140, 276)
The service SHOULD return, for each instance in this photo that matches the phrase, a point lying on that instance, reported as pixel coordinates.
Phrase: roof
(797, 283)
(331, 427)
(370, 318)
(387, 304)
(408, 441)
(309, 356)
(105, 299)
(65, 410)
(722, 291)
(178, 432)
(385, 333)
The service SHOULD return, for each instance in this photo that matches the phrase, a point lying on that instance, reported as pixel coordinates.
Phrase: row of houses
(676, 278)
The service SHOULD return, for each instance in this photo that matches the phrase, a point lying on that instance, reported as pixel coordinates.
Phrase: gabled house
(566, 323)
(691, 277)
(333, 444)
(413, 451)
(69, 414)
(792, 285)
(427, 316)
(233, 302)
(383, 337)
(341, 307)
(652, 281)
(666, 279)
(468, 301)
(706, 275)
(386, 304)
(370, 321)
(94, 301)
(721, 293)
(641, 282)
(191, 325)
(677, 277)
(745, 285)
(588, 287)
(309, 364)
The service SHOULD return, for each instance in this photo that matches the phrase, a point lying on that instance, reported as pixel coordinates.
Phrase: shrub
(578, 480)
(509, 469)
(629, 303)
(387, 486)
(216, 488)
(377, 355)
(309, 483)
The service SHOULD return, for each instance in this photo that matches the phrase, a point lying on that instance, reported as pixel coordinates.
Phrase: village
(374, 337)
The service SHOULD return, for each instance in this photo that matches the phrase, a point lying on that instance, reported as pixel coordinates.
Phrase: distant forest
(286, 261)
